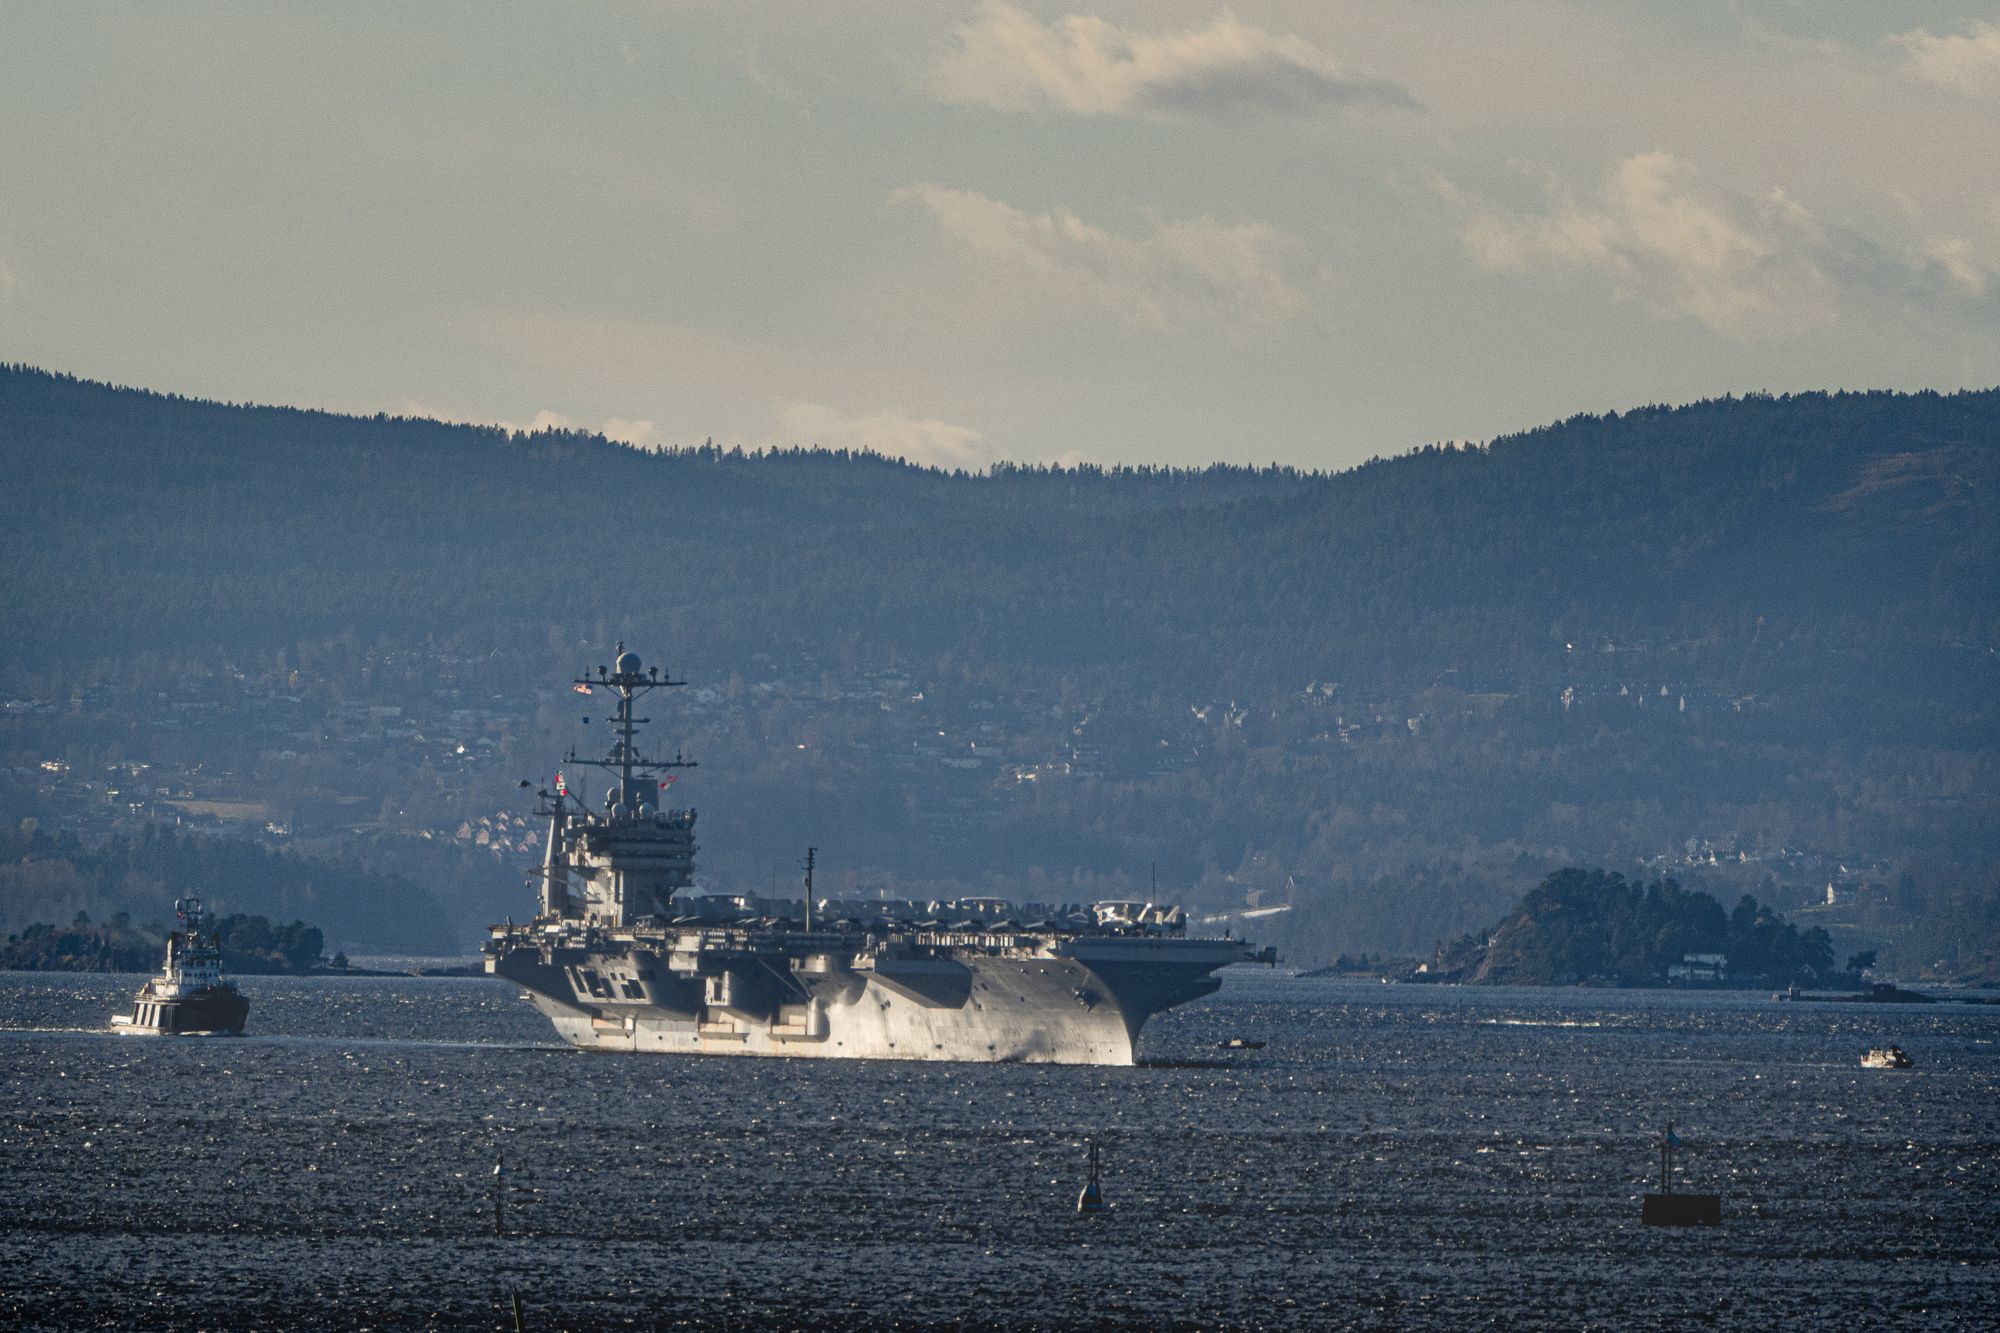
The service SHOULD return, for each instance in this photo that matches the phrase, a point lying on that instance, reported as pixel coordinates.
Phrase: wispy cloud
(1974, 269)
(1746, 266)
(541, 421)
(1005, 58)
(616, 428)
(890, 432)
(1233, 274)
(640, 433)
(1968, 64)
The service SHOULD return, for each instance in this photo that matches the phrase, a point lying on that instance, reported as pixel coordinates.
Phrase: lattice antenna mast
(627, 681)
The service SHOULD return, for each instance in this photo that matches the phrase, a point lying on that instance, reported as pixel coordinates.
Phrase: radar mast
(638, 781)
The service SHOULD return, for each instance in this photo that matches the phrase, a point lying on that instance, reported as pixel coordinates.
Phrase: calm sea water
(1396, 1157)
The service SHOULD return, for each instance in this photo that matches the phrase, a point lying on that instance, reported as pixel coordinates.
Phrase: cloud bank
(630, 432)
(1179, 273)
(892, 433)
(1743, 267)
(1006, 59)
(622, 430)
(1968, 64)
(1746, 266)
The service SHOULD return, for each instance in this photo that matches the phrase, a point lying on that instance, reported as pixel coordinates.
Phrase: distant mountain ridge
(121, 495)
(1846, 517)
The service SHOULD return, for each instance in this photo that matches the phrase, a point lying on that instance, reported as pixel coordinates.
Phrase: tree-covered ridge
(1591, 925)
(257, 522)
(139, 521)
(250, 945)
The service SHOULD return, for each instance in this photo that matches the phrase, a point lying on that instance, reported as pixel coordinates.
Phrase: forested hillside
(1846, 522)
(1752, 640)
(137, 522)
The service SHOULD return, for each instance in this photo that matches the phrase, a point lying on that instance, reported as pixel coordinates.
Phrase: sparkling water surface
(1395, 1157)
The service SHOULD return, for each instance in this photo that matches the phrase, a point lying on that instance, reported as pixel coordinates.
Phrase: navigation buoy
(1091, 1199)
(1668, 1209)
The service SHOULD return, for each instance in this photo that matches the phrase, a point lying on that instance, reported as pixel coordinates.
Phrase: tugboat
(1887, 1057)
(190, 996)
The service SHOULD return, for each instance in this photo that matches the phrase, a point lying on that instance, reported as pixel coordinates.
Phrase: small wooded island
(1580, 927)
(251, 946)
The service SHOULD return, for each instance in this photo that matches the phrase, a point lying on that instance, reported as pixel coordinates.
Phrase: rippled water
(1396, 1157)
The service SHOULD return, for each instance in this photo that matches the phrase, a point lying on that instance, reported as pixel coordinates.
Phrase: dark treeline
(83, 946)
(1391, 697)
(250, 946)
(256, 944)
(1590, 925)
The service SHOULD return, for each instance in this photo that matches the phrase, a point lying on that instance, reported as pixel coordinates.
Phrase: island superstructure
(618, 962)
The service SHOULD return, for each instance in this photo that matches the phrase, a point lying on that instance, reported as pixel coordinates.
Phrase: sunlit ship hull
(1064, 1002)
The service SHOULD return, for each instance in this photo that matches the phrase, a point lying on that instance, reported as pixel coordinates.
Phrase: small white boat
(1886, 1057)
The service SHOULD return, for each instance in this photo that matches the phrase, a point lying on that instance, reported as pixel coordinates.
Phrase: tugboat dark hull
(221, 1010)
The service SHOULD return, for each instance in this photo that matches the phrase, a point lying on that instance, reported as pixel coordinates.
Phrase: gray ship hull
(1079, 1002)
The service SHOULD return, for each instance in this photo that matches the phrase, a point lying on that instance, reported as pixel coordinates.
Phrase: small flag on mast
(561, 790)
(581, 688)
(668, 781)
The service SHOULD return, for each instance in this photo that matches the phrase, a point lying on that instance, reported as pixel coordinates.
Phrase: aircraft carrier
(618, 962)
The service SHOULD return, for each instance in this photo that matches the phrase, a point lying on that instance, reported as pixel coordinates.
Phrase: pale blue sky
(1165, 232)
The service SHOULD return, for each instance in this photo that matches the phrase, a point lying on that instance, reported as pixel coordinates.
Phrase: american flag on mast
(581, 688)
